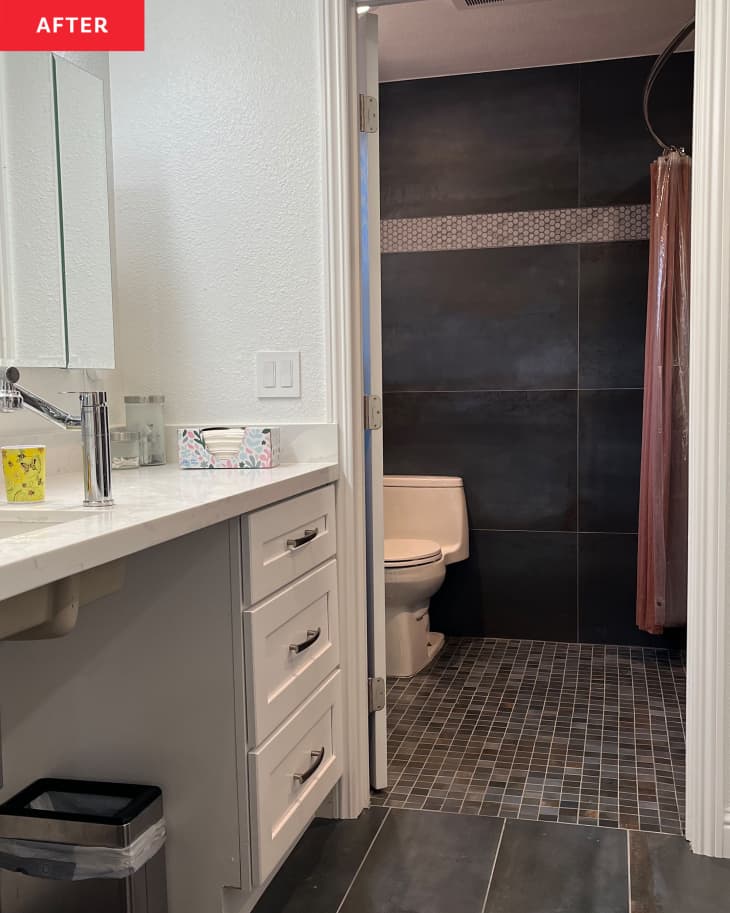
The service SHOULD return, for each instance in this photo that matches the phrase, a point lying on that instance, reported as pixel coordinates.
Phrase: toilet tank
(428, 507)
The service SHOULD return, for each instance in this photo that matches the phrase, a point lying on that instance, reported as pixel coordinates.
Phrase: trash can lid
(82, 812)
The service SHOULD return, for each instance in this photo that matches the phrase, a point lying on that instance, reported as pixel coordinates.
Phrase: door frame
(708, 627)
(346, 391)
(708, 650)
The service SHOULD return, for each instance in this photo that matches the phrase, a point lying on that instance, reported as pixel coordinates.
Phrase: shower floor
(575, 733)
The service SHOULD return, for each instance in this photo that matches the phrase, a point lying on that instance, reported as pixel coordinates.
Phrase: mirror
(55, 257)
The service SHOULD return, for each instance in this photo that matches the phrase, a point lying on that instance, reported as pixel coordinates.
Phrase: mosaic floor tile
(575, 733)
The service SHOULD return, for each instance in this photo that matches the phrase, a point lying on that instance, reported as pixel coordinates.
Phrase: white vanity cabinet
(212, 672)
(289, 670)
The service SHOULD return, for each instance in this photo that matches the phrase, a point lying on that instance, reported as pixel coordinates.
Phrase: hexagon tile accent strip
(515, 229)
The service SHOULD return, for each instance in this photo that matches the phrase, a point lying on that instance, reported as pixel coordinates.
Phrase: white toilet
(425, 529)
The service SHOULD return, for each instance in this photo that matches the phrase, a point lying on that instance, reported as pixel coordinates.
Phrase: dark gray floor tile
(610, 460)
(487, 142)
(613, 292)
(616, 149)
(607, 594)
(427, 862)
(559, 868)
(666, 877)
(515, 584)
(481, 319)
(516, 452)
(320, 869)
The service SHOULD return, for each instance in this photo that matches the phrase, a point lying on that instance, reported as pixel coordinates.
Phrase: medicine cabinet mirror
(55, 256)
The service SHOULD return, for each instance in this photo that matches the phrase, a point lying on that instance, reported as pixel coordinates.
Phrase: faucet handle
(12, 375)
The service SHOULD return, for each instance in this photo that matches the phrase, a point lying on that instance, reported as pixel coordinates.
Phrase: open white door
(369, 168)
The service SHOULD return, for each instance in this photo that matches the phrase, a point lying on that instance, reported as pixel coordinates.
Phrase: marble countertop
(152, 505)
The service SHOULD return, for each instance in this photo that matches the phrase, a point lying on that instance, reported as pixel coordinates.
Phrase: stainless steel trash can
(73, 846)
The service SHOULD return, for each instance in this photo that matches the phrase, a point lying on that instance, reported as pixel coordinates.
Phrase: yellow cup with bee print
(24, 469)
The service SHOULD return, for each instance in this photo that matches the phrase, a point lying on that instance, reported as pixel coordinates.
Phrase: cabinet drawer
(291, 644)
(286, 540)
(291, 774)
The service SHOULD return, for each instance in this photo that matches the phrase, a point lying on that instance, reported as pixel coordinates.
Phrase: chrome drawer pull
(317, 757)
(312, 638)
(309, 534)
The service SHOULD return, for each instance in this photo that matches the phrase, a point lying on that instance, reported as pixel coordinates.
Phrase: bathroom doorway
(546, 702)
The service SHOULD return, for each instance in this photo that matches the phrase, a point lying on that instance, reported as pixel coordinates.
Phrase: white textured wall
(218, 156)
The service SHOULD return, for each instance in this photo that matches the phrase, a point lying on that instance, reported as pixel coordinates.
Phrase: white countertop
(151, 505)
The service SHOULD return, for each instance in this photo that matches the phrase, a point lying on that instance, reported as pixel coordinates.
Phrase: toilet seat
(411, 552)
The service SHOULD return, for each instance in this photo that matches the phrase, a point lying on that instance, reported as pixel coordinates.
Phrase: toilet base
(435, 643)
(411, 646)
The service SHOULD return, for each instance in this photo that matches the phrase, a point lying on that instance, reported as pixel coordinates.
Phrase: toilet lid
(411, 552)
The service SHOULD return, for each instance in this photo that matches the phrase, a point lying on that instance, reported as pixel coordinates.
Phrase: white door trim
(708, 649)
(342, 267)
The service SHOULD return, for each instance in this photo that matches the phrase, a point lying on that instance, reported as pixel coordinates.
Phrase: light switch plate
(278, 374)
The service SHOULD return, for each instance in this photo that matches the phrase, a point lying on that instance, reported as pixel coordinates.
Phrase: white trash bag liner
(88, 861)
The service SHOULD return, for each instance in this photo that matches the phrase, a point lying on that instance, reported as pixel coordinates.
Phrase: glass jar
(146, 414)
(124, 449)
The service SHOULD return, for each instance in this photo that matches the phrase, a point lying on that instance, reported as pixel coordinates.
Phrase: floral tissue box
(259, 448)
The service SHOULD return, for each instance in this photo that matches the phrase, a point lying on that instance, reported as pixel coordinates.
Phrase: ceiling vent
(475, 4)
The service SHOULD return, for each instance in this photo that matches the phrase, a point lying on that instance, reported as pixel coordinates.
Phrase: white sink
(16, 522)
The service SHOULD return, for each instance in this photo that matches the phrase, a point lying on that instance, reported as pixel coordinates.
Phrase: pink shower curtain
(662, 559)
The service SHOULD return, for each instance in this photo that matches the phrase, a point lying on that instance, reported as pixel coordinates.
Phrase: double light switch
(278, 374)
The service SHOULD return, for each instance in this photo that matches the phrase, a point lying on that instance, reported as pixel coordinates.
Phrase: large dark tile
(489, 142)
(607, 589)
(481, 319)
(666, 877)
(428, 863)
(559, 868)
(613, 293)
(610, 460)
(321, 867)
(516, 452)
(513, 585)
(616, 149)
(607, 594)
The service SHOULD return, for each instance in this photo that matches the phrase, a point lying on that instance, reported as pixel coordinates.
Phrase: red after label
(69, 25)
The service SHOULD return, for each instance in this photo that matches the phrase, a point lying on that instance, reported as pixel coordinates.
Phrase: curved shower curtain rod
(656, 69)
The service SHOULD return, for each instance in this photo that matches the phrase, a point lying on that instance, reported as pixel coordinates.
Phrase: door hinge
(368, 114)
(373, 412)
(376, 694)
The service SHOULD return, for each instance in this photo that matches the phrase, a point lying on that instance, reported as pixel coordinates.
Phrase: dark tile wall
(463, 144)
(521, 368)
(530, 340)
(615, 146)
(516, 451)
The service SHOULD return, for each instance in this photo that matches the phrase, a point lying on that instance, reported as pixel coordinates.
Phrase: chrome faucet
(93, 422)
